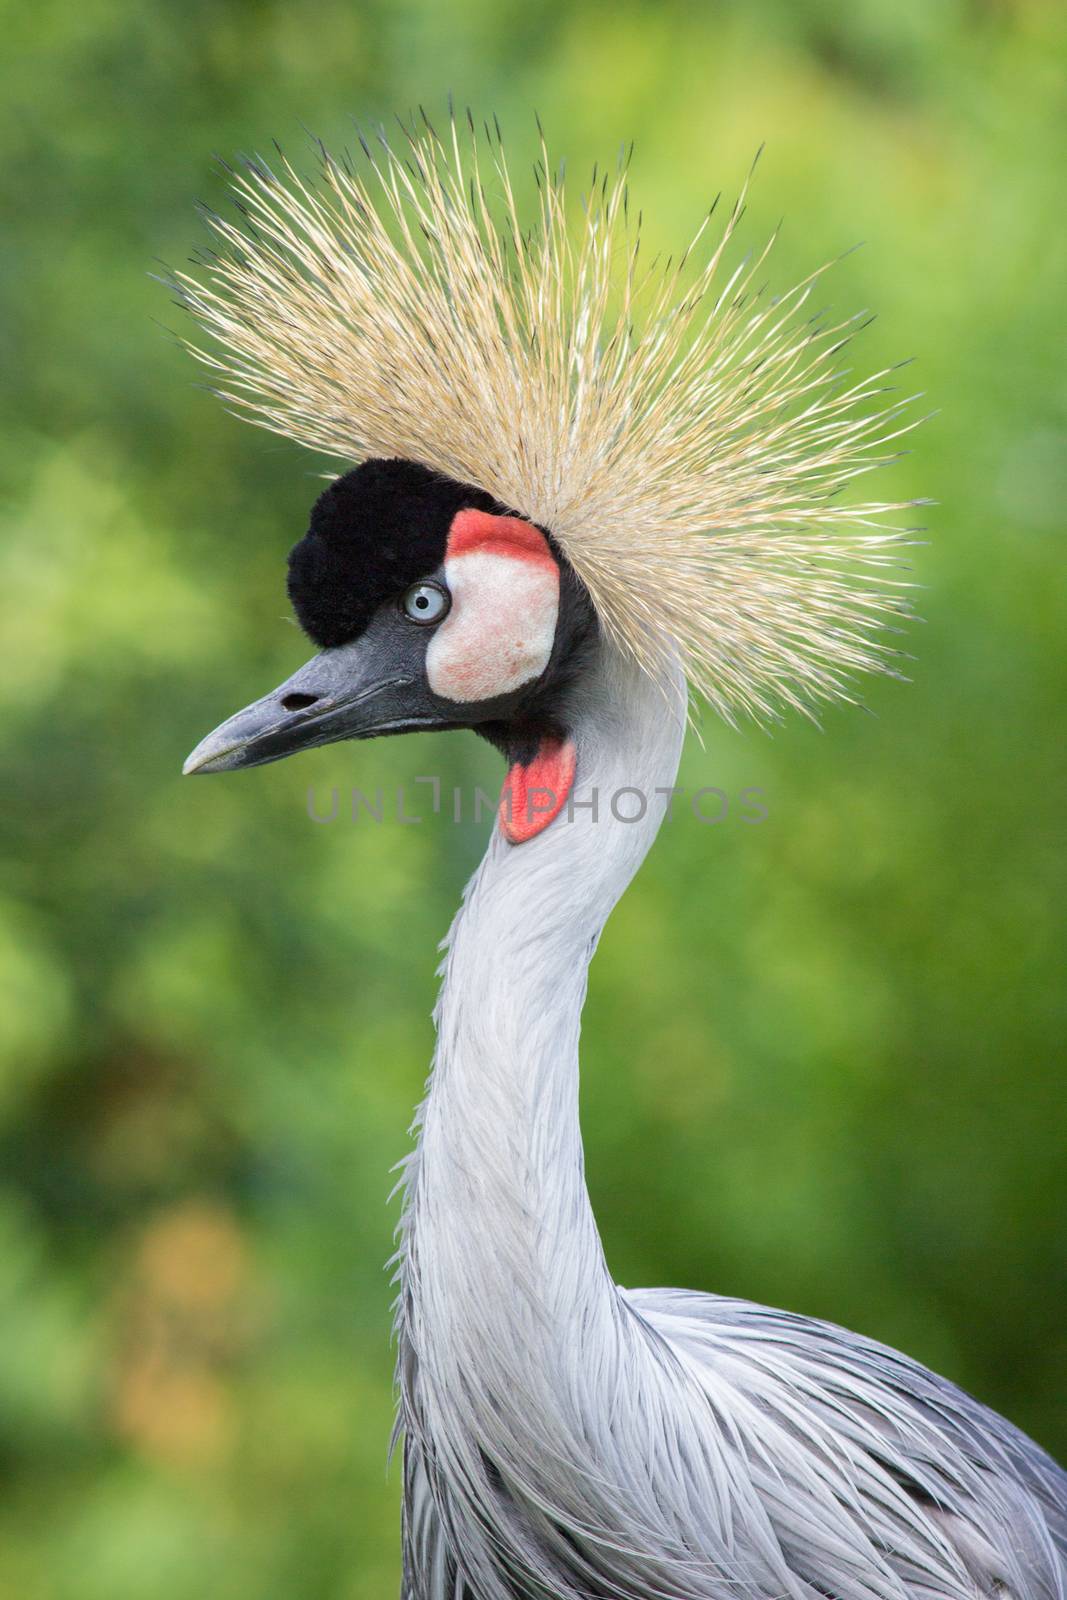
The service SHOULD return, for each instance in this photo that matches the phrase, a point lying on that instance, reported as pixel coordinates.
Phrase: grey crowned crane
(581, 486)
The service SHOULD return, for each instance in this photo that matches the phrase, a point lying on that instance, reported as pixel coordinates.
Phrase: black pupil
(422, 601)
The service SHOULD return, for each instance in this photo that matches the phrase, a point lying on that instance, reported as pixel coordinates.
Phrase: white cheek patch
(505, 603)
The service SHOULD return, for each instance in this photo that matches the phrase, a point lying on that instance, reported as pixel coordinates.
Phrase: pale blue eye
(426, 602)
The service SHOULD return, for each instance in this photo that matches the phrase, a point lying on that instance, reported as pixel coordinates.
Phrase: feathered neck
(498, 1182)
(503, 1279)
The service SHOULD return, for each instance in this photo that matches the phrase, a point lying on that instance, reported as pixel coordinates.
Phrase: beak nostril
(299, 702)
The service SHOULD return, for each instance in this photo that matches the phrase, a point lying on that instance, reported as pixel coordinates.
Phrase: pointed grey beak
(346, 693)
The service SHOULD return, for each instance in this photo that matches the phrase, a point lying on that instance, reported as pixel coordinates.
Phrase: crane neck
(498, 1215)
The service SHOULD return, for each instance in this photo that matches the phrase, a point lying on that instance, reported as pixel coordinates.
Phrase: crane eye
(426, 602)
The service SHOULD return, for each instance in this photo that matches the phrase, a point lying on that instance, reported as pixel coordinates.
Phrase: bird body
(562, 519)
(572, 1438)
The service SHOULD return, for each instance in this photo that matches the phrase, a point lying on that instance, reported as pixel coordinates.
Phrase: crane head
(433, 608)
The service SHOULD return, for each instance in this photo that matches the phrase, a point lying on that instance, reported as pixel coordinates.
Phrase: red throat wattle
(536, 791)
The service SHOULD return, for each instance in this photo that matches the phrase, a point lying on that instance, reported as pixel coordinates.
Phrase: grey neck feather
(501, 1189)
(503, 1280)
(566, 1438)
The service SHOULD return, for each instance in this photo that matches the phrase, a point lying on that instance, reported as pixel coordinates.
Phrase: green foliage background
(823, 1056)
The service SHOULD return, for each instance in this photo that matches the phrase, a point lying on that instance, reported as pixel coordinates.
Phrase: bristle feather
(684, 436)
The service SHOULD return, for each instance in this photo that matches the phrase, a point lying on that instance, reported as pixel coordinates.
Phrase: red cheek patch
(535, 793)
(504, 582)
(506, 536)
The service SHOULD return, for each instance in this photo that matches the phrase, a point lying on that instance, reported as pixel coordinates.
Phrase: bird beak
(340, 694)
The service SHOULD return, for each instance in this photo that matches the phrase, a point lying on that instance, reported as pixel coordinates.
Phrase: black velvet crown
(373, 533)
